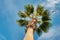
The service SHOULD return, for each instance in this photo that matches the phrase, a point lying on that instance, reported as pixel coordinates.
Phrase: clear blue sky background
(9, 30)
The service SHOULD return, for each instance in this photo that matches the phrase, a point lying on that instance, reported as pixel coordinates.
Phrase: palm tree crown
(41, 14)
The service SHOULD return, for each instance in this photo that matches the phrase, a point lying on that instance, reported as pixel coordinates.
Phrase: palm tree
(34, 20)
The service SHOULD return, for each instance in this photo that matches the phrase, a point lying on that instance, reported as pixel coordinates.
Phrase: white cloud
(53, 32)
(51, 4)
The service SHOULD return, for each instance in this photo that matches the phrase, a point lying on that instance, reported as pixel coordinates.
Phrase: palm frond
(45, 26)
(22, 22)
(45, 13)
(38, 22)
(20, 14)
(29, 9)
(45, 16)
(25, 30)
(38, 31)
(40, 9)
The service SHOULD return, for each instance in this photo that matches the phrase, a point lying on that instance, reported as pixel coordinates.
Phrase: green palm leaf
(40, 9)
(45, 26)
(45, 13)
(23, 15)
(29, 9)
(45, 16)
(22, 22)
(38, 31)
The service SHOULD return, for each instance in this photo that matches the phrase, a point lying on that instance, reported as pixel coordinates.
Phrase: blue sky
(9, 30)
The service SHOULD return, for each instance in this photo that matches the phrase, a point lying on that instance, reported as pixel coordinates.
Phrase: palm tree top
(41, 14)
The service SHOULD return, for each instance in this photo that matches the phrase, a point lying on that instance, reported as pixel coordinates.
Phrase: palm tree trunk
(30, 29)
(29, 34)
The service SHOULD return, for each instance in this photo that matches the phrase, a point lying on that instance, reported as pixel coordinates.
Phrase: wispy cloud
(53, 32)
(51, 4)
